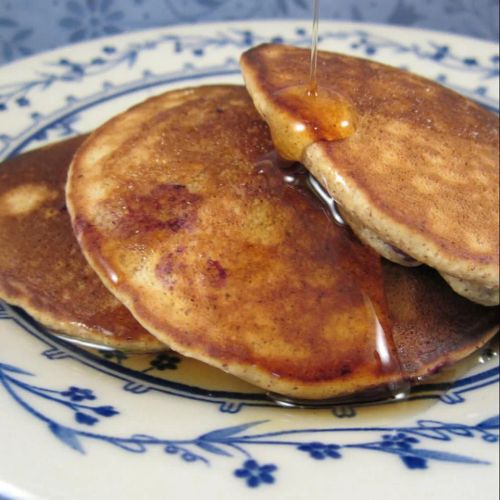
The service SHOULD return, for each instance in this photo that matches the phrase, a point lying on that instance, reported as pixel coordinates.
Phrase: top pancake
(421, 169)
(178, 206)
(41, 266)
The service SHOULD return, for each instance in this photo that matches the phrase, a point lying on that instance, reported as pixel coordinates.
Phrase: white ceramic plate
(80, 424)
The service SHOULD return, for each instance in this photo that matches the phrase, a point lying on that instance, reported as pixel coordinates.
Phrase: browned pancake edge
(41, 267)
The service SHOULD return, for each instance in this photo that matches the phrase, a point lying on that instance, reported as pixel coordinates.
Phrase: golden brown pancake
(41, 266)
(181, 209)
(420, 172)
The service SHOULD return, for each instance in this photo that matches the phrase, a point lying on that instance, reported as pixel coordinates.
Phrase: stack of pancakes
(186, 214)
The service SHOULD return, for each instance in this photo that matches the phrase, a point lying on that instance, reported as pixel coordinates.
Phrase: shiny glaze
(412, 173)
(315, 111)
(258, 282)
(256, 279)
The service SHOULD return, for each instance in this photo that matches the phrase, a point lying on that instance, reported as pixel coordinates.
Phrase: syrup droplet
(313, 111)
(322, 114)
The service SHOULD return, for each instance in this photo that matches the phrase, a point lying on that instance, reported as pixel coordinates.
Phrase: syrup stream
(313, 81)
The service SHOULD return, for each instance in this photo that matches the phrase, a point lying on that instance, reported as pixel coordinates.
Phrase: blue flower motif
(400, 441)
(320, 451)
(255, 474)
(77, 394)
(90, 19)
(165, 361)
(116, 356)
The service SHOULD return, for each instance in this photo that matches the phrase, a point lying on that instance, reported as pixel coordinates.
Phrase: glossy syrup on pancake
(181, 210)
(319, 112)
(41, 266)
(364, 268)
(413, 176)
(430, 326)
(218, 255)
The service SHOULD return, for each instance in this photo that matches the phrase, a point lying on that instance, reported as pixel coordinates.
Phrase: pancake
(433, 327)
(418, 177)
(41, 267)
(182, 209)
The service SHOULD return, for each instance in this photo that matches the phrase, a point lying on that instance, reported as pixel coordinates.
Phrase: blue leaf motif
(211, 448)
(105, 411)
(221, 434)
(13, 369)
(443, 456)
(67, 436)
(414, 462)
(83, 418)
(490, 423)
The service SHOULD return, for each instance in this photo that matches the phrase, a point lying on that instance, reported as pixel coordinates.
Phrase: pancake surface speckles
(41, 266)
(421, 170)
(179, 207)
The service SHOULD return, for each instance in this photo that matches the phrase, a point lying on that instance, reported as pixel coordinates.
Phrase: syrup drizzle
(313, 80)
(318, 111)
(356, 272)
(323, 114)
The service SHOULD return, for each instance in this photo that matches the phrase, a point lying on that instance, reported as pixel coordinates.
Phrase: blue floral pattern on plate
(402, 442)
(31, 26)
(66, 92)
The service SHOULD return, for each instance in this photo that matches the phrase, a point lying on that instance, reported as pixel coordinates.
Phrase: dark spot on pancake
(165, 266)
(176, 224)
(219, 110)
(165, 270)
(168, 266)
(169, 207)
(216, 273)
(63, 209)
(345, 370)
